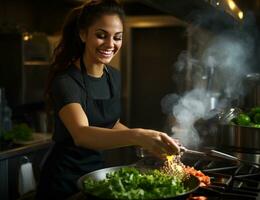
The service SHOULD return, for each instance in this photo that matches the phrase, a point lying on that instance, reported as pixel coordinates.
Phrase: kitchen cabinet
(11, 158)
(24, 66)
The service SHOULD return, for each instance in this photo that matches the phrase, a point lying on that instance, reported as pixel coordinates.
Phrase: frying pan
(192, 183)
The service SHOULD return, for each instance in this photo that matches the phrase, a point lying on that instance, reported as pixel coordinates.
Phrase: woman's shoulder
(62, 78)
(68, 78)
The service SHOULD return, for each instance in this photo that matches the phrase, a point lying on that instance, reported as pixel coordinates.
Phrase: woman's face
(103, 39)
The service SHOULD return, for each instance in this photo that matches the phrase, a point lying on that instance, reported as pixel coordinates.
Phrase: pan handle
(219, 154)
(233, 158)
(223, 155)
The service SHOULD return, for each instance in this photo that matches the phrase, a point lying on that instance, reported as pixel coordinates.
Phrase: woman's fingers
(159, 154)
(158, 143)
(164, 145)
(172, 146)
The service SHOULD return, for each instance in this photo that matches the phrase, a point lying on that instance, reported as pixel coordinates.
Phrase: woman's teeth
(106, 52)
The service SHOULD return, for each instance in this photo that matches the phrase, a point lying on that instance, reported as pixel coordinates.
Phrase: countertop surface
(12, 149)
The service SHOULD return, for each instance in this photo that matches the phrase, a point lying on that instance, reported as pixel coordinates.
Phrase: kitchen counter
(9, 150)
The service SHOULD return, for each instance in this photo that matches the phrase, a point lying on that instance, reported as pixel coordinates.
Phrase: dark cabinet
(23, 67)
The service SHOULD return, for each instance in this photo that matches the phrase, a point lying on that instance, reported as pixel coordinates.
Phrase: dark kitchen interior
(162, 59)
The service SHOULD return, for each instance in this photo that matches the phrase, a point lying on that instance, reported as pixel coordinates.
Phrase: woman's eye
(101, 36)
(117, 38)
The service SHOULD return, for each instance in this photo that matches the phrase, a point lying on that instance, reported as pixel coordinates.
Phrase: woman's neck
(95, 70)
(92, 69)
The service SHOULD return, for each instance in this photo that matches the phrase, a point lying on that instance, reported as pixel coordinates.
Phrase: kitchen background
(182, 63)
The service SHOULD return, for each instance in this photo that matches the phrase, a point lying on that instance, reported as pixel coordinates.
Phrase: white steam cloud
(217, 74)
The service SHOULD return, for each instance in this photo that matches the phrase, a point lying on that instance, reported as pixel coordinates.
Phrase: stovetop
(229, 180)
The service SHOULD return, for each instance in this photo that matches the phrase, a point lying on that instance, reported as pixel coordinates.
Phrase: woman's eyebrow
(100, 29)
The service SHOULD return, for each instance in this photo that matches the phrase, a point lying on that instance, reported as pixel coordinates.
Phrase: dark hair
(70, 47)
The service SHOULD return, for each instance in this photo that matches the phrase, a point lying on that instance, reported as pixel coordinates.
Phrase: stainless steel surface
(255, 158)
(213, 153)
(245, 139)
(189, 151)
(227, 115)
(234, 158)
(252, 86)
(222, 155)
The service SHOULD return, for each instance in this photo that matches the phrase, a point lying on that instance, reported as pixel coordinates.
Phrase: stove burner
(229, 180)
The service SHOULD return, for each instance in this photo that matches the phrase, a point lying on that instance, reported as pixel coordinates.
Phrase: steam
(190, 108)
(217, 71)
(227, 58)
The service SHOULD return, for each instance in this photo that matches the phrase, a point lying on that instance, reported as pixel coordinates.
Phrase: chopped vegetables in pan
(131, 183)
(174, 167)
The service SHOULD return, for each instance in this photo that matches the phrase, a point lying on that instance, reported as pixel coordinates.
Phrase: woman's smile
(106, 53)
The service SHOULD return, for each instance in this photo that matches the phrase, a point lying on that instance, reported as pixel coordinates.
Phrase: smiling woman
(102, 41)
(85, 94)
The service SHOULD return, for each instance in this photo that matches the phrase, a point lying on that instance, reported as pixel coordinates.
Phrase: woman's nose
(110, 42)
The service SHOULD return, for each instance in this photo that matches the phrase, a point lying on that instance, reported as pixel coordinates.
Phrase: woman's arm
(119, 125)
(76, 121)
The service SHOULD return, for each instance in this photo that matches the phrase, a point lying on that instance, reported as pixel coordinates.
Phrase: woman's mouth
(106, 53)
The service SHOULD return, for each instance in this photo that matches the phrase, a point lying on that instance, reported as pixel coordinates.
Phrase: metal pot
(252, 86)
(240, 138)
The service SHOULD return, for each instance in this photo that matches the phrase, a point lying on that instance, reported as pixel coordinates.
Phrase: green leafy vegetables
(131, 183)
(250, 119)
(19, 132)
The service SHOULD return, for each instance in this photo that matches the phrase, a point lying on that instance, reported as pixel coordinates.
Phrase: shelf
(36, 63)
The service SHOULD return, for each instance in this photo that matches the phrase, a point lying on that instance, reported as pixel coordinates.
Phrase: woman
(85, 92)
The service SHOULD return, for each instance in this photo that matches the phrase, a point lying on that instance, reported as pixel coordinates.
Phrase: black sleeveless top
(100, 99)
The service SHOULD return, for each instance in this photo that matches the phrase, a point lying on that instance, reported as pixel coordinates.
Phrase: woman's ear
(82, 35)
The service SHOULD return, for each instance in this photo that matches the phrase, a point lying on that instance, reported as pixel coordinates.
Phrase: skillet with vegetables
(128, 182)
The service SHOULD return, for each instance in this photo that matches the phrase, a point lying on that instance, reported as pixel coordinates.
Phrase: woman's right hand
(156, 142)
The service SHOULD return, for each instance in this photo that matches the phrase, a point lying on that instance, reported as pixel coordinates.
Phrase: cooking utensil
(225, 116)
(245, 139)
(219, 154)
(252, 86)
(191, 184)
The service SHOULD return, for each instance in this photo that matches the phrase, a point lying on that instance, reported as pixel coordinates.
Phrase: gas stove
(230, 180)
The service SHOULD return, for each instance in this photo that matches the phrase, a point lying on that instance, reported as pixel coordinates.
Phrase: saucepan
(232, 136)
(191, 183)
(239, 137)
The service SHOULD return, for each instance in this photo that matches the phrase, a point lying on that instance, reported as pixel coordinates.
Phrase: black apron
(66, 162)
